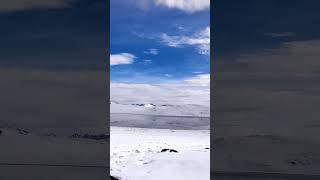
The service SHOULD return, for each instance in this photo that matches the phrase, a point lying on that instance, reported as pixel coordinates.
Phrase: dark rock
(114, 178)
(164, 150)
(169, 150)
(137, 104)
(0, 132)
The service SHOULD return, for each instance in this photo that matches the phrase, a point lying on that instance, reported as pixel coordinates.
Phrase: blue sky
(156, 41)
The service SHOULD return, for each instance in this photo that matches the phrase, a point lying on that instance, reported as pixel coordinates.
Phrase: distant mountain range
(161, 109)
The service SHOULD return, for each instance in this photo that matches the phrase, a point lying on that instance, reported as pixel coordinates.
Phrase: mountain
(161, 109)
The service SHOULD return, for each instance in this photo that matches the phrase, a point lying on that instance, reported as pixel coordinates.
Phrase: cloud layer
(201, 40)
(152, 51)
(185, 5)
(122, 58)
(195, 90)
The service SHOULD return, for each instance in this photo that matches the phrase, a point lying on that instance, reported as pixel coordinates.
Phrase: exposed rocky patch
(169, 150)
(137, 104)
(114, 178)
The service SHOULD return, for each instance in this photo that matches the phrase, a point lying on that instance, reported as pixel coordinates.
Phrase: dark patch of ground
(113, 178)
(169, 150)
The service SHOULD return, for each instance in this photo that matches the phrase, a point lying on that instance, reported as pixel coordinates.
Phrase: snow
(139, 132)
(135, 154)
(149, 105)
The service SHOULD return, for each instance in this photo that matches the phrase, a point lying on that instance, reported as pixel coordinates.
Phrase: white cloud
(200, 80)
(185, 5)
(197, 72)
(147, 61)
(152, 51)
(195, 90)
(201, 40)
(180, 27)
(18, 5)
(122, 58)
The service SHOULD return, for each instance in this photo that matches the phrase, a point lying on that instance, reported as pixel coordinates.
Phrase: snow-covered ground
(136, 154)
(139, 132)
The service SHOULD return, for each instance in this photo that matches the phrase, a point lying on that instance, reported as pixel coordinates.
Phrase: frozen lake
(159, 122)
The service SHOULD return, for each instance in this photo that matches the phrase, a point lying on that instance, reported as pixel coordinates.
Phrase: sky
(160, 51)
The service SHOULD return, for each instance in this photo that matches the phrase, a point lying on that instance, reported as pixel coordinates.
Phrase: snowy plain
(142, 135)
(136, 154)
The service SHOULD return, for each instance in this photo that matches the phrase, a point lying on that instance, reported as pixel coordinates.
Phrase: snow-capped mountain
(161, 109)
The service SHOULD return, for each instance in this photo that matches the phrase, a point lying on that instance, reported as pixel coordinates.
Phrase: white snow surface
(149, 105)
(135, 154)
